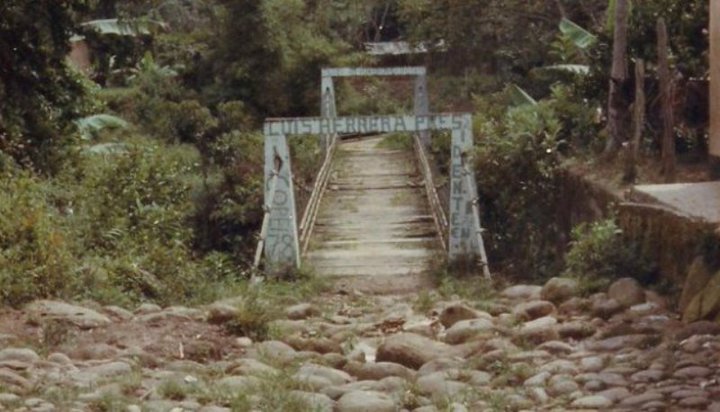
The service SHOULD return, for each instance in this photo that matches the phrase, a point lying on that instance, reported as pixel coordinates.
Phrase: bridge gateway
(283, 243)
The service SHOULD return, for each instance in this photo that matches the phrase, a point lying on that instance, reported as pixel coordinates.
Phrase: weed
(425, 301)
(174, 389)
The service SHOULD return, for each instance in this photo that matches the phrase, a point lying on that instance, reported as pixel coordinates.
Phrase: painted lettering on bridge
(365, 124)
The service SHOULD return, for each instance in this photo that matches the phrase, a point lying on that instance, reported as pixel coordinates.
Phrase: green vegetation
(140, 179)
(599, 253)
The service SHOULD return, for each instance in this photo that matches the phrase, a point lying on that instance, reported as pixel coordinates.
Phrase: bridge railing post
(465, 237)
(280, 242)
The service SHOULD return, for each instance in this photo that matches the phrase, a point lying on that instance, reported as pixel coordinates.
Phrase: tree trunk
(618, 104)
(638, 123)
(666, 93)
(714, 143)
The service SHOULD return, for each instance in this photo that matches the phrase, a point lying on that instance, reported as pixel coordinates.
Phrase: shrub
(599, 253)
(36, 258)
(516, 161)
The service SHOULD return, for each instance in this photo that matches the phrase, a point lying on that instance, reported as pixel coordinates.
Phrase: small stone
(220, 313)
(627, 292)
(539, 379)
(534, 309)
(12, 380)
(539, 330)
(336, 377)
(592, 364)
(19, 354)
(641, 399)
(81, 317)
(539, 395)
(692, 372)
(695, 402)
(301, 311)
(576, 330)
(562, 386)
(521, 292)
(465, 330)
(615, 394)
(592, 402)
(558, 290)
(238, 383)
(647, 376)
(606, 308)
(147, 308)
(365, 401)
(411, 350)
(378, 370)
(458, 311)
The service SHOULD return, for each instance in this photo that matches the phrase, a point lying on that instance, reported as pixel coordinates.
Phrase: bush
(599, 254)
(516, 161)
(36, 256)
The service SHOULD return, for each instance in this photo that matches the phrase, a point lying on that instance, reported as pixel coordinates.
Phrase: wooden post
(638, 123)
(666, 93)
(618, 117)
(714, 143)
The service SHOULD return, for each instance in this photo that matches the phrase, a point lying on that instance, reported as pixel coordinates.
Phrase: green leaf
(133, 27)
(582, 38)
(579, 69)
(90, 125)
(520, 97)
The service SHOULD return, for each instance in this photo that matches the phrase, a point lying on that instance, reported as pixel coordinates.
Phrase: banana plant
(125, 27)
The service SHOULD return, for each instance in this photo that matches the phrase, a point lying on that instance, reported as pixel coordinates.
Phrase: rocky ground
(522, 348)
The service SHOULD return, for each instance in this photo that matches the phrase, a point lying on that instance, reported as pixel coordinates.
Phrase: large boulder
(411, 350)
(558, 290)
(627, 292)
(699, 274)
(706, 304)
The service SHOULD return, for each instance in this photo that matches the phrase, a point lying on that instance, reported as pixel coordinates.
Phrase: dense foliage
(143, 179)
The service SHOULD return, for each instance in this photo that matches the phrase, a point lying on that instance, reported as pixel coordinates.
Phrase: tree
(39, 95)
(618, 104)
(269, 54)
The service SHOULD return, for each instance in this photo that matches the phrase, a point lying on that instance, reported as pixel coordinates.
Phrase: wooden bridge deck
(374, 218)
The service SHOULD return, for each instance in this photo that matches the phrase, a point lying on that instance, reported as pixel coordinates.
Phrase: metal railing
(307, 223)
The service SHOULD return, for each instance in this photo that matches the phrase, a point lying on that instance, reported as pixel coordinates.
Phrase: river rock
(301, 311)
(534, 309)
(365, 401)
(592, 402)
(558, 290)
(23, 355)
(411, 350)
(456, 311)
(525, 292)
(378, 370)
(538, 330)
(80, 316)
(465, 330)
(627, 292)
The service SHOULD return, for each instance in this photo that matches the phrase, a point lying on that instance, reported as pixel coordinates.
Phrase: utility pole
(714, 143)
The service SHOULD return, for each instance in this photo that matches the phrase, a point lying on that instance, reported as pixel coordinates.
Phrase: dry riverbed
(524, 347)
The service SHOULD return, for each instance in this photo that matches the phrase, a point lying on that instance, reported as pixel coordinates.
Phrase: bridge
(373, 210)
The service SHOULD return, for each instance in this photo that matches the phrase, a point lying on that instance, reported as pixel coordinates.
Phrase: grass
(396, 141)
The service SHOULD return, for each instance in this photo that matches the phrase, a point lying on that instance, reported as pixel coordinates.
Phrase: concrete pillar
(714, 143)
